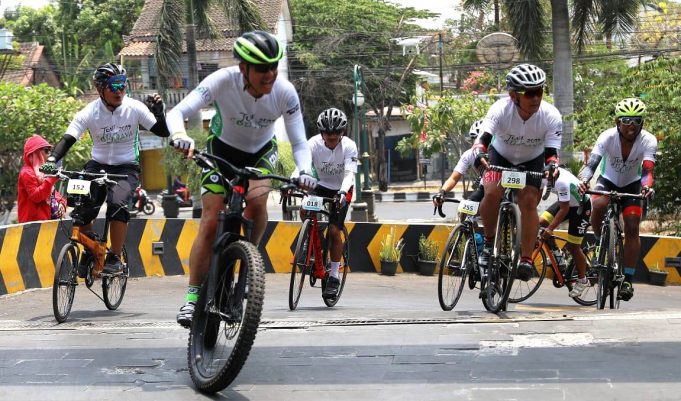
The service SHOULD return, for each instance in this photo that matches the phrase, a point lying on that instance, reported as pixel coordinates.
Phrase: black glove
(155, 105)
(440, 197)
(478, 159)
(50, 166)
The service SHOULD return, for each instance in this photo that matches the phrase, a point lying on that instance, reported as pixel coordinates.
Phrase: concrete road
(387, 339)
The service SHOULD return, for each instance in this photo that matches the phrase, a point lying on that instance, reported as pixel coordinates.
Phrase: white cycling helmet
(474, 132)
(332, 120)
(525, 76)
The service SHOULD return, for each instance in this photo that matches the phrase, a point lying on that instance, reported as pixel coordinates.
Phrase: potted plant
(427, 258)
(390, 253)
(657, 276)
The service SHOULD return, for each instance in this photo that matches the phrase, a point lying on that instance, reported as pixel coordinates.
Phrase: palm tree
(194, 17)
(527, 21)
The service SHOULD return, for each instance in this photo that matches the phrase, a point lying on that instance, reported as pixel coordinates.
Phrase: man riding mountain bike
(248, 99)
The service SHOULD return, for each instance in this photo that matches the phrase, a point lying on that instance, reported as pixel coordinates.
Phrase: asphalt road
(386, 339)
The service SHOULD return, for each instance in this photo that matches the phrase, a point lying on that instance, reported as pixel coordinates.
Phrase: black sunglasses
(631, 120)
(530, 93)
(265, 68)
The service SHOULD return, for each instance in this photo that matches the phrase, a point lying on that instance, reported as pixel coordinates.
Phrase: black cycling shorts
(536, 165)
(336, 216)
(578, 223)
(603, 184)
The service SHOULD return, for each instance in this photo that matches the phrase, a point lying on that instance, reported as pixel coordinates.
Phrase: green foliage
(176, 164)
(443, 120)
(428, 249)
(37, 110)
(391, 248)
(285, 163)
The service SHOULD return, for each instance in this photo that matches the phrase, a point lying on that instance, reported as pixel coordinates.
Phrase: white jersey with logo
(567, 188)
(466, 161)
(241, 120)
(520, 141)
(613, 167)
(114, 134)
(331, 164)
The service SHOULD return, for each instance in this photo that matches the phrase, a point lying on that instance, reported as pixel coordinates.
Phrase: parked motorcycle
(142, 202)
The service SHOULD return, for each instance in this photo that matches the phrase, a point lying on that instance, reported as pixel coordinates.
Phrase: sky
(13, 3)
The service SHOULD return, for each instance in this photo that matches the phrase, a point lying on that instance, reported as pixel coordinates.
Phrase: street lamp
(361, 135)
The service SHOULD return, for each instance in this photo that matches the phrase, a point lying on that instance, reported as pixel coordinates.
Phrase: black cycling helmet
(525, 76)
(258, 47)
(106, 71)
(332, 120)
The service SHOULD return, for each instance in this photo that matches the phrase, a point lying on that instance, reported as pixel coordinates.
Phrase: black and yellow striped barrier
(28, 252)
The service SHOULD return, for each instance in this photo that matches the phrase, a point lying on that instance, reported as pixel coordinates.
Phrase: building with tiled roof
(35, 69)
(212, 54)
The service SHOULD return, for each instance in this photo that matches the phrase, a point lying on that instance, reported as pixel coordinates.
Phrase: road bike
(85, 253)
(548, 253)
(609, 253)
(459, 261)
(312, 257)
(228, 311)
(503, 262)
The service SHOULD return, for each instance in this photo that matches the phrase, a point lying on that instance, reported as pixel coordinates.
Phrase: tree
(194, 17)
(527, 19)
(40, 110)
(331, 37)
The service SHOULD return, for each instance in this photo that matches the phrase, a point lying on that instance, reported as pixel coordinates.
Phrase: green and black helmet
(630, 107)
(258, 47)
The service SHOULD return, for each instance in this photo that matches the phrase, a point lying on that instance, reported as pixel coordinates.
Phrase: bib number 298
(513, 179)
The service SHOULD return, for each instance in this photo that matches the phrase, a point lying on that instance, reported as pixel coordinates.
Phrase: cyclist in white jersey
(526, 133)
(334, 158)
(568, 208)
(626, 154)
(248, 98)
(466, 162)
(113, 122)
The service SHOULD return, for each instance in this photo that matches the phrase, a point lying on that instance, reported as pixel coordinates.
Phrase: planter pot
(427, 267)
(658, 278)
(388, 268)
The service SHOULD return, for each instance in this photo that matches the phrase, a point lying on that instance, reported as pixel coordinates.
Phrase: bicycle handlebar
(99, 178)
(534, 174)
(205, 160)
(615, 194)
(293, 190)
(438, 208)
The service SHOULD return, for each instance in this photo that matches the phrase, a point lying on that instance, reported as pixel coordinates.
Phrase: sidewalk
(414, 191)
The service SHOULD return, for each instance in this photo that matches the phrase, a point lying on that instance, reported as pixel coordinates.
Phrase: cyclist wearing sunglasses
(113, 122)
(525, 132)
(248, 99)
(334, 158)
(626, 154)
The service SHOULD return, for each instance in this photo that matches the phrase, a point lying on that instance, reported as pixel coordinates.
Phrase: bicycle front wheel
(65, 282)
(343, 269)
(604, 268)
(454, 266)
(302, 264)
(504, 260)
(522, 290)
(113, 287)
(225, 323)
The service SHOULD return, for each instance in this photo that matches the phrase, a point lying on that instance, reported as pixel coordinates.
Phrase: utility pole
(443, 155)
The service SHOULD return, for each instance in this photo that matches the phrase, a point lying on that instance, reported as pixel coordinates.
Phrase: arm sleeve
(348, 180)
(590, 168)
(295, 130)
(63, 147)
(196, 100)
(647, 174)
(350, 161)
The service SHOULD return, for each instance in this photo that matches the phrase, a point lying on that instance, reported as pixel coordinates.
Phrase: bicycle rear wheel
(343, 270)
(65, 282)
(504, 261)
(618, 268)
(454, 267)
(302, 264)
(522, 290)
(222, 332)
(113, 287)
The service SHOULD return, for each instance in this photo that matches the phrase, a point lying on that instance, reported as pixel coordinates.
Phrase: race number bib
(513, 179)
(469, 207)
(78, 187)
(312, 203)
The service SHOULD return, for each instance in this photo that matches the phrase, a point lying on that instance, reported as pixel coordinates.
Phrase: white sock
(334, 269)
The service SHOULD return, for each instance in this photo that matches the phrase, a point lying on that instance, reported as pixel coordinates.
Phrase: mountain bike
(459, 261)
(84, 255)
(548, 253)
(503, 262)
(312, 257)
(609, 253)
(228, 311)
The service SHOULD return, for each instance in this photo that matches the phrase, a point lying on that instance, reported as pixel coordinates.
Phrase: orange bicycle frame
(97, 248)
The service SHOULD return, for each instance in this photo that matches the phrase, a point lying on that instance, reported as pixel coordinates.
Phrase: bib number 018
(312, 203)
